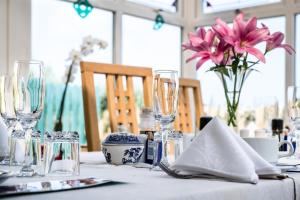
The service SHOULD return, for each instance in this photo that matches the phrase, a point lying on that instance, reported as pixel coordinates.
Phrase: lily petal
(257, 53)
(238, 48)
(277, 37)
(251, 25)
(221, 28)
(201, 33)
(239, 26)
(195, 40)
(229, 40)
(217, 57)
(257, 36)
(209, 37)
(201, 62)
(198, 54)
(288, 48)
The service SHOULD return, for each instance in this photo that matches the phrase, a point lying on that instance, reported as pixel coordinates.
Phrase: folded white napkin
(218, 151)
(3, 138)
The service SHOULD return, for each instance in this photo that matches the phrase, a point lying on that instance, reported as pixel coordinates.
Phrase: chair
(120, 99)
(183, 121)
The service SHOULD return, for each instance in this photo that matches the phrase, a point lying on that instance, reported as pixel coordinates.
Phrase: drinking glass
(7, 112)
(29, 94)
(61, 153)
(294, 117)
(165, 103)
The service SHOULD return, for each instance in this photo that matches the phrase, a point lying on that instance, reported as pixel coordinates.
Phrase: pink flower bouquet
(228, 48)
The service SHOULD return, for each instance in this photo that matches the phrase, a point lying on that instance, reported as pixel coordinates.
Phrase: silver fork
(174, 173)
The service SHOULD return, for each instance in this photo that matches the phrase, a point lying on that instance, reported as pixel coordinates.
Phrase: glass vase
(232, 81)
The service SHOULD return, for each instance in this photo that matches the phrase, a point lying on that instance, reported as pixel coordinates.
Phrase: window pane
(261, 89)
(166, 5)
(143, 46)
(298, 50)
(221, 5)
(56, 30)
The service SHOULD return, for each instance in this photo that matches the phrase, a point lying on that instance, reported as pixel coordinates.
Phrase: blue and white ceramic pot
(122, 148)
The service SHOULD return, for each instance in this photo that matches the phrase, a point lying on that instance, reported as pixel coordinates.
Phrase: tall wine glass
(7, 111)
(294, 116)
(29, 93)
(165, 103)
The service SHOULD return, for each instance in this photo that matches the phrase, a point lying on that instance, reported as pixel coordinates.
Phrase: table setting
(216, 162)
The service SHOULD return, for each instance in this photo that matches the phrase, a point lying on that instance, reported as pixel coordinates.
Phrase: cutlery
(174, 173)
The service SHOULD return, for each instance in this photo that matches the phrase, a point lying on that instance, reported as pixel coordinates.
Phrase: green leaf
(224, 71)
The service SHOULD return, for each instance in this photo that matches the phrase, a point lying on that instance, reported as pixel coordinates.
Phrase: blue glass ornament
(83, 8)
(159, 21)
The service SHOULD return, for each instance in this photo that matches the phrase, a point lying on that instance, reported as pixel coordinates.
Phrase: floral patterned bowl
(122, 148)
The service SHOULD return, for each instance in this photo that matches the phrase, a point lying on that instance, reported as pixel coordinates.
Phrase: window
(210, 6)
(143, 46)
(166, 5)
(262, 89)
(297, 46)
(56, 30)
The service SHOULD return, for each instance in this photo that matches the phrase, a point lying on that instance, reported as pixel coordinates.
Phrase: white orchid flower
(88, 40)
(86, 48)
(102, 44)
(74, 55)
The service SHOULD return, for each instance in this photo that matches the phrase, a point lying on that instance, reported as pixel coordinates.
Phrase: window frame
(188, 16)
(243, 8)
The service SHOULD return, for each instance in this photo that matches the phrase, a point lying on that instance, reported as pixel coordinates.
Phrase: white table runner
(146, 184)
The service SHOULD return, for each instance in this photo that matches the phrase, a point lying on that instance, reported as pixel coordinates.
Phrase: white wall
(14, 32)
(18, 31)
(3, 36)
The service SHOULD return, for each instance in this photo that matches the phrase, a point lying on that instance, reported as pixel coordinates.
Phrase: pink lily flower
(205, 46)
(199, 41)
(221, 28)
(275, 41)
(244, 36)
(222, 44)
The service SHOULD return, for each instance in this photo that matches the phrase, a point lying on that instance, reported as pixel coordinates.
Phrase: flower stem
(58, 123)
(230, 108)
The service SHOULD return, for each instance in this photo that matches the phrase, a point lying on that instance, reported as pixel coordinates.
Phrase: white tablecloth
(145, 184)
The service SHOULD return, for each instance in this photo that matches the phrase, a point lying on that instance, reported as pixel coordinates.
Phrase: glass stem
(26, 168)
(164, 135)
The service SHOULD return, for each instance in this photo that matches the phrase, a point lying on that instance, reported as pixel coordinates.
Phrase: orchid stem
(58, 124)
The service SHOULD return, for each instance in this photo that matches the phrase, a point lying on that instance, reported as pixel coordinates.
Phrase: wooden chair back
(120, 97)
(184, 121)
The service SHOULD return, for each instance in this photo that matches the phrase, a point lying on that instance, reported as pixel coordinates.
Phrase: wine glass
(165, 103)
(29, 94)
(294, 117)
(7, 111)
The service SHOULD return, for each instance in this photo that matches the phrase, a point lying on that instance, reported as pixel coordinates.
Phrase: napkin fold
(218, 151)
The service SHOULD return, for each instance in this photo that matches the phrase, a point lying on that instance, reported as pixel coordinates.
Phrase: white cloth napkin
(3, 138)
(218, 151)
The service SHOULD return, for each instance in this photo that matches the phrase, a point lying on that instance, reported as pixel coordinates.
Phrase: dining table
(143, 183)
